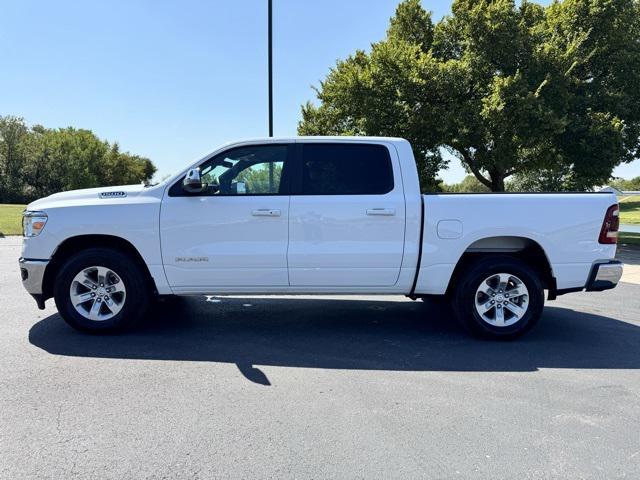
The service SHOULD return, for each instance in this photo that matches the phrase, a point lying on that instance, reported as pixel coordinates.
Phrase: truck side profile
(315, 215)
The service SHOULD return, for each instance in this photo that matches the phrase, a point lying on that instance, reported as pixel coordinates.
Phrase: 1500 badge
(113, 194)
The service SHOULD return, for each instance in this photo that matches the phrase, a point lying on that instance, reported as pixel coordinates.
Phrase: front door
(347, 216)
(235, 232)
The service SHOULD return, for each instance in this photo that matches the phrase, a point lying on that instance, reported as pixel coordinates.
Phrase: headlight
(33, 223)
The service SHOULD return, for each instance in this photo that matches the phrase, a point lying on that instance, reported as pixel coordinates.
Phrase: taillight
(609, 232)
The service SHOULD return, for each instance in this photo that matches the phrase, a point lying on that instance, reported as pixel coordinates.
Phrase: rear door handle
(266, 212)
(381, 211)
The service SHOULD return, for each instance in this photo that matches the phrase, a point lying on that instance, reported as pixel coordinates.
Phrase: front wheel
(498, 297)
(101, 290)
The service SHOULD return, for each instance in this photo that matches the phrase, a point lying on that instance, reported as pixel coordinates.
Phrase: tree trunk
(497, 182)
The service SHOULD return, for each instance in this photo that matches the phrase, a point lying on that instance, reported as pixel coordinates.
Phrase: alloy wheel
(502, 299)
(97, 293)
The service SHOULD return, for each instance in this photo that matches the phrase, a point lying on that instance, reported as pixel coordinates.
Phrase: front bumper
(604, 276)
(32, 273)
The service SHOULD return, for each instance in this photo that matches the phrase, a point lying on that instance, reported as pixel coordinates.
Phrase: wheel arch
(521, 247)
(75, 244)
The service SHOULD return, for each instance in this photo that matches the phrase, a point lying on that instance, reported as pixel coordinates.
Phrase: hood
(75, 197)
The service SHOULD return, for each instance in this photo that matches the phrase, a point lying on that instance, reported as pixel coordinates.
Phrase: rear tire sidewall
(465, 297)
(137, 292)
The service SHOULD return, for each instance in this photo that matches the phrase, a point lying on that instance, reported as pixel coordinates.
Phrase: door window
(346, 169)
(251, 170)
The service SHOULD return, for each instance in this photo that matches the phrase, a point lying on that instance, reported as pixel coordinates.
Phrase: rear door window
(346, 169)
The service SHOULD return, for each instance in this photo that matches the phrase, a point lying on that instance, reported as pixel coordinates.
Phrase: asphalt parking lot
(351, 387)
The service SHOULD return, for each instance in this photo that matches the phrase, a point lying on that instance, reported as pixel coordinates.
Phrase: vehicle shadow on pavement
(347, 334)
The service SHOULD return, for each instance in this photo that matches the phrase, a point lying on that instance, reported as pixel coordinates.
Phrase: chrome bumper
(604, 276)
(32, 273)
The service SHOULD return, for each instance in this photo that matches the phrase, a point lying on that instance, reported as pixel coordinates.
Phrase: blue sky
(171, 80)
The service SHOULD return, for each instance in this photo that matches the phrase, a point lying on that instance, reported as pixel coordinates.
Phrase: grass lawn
(11, 219)
(629, 239)
(630, 210)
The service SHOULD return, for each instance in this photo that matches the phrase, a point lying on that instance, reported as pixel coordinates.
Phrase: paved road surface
(363, 387)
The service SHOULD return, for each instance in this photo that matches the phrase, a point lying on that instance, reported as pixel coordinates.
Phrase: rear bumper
(32, 273)
(604, 276)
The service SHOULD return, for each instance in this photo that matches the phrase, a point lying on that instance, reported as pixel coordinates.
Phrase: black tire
(138, 292)
(464, 297)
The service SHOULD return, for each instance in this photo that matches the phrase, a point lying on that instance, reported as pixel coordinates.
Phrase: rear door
(346, 216)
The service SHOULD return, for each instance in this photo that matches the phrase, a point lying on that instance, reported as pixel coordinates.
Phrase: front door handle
(381, 211)
(266, 212)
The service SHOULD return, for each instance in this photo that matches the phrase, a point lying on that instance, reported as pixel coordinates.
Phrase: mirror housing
(192, 182)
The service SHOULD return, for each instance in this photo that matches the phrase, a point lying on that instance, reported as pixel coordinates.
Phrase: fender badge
(118, 194)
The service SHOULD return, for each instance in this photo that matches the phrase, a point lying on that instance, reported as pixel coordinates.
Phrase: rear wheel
(101, 290)
(499, 297)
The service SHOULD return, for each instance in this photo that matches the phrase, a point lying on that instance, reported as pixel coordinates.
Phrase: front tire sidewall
(137, 297)
(464, 298)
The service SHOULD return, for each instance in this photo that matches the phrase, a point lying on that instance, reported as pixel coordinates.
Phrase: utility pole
(270, 43)
(270, 55)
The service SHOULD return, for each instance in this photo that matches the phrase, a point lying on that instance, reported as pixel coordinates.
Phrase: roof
(335, 138)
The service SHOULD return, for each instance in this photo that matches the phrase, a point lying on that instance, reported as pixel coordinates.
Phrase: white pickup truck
(317, 215)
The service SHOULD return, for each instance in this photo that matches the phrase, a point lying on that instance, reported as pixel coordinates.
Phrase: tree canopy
(622, 184)
(469, 184)
(36, 162)
(546, 95)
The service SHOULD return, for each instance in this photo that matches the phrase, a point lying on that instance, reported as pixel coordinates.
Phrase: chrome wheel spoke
(517, 310)
(486, 288)
(500, 317)
(116, 288)
(516, 292)
(79, 298)
(94, 313)
(102, 276)
(485, 307)
(504, 280)
(110, 304)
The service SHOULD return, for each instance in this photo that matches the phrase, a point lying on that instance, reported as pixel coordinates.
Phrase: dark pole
(270, 73)
(270, 42)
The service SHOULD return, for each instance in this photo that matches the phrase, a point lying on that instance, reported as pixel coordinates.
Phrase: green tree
(510, 90)
(412, 24)
(13, 136)
(122, 168)
(395, 90)
(502, 117)
(542, 180)
(600, 39)
(258, 178)
(36, 162)
(469, 184)
(622, 184)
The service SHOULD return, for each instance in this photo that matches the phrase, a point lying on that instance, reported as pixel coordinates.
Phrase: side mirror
(192, 182)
